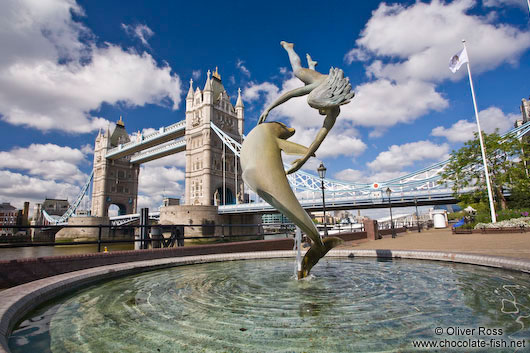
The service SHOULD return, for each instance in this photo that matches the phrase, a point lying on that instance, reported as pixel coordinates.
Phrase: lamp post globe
(388, 193)
(322, 174)
(321, 171)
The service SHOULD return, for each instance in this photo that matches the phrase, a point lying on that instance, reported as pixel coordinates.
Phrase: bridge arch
(219, 199)
(116, 209)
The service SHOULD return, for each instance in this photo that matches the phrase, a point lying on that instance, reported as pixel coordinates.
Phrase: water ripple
(348, 305)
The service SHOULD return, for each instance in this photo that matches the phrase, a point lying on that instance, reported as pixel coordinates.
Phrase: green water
(348, 305)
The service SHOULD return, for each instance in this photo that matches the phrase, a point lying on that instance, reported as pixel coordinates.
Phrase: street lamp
(388, 193)
(322, 174)
(417, 215)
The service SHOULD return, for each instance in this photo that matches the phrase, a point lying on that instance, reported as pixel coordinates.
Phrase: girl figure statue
(325, 93)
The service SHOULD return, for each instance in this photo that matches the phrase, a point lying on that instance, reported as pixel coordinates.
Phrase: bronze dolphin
(263, 171)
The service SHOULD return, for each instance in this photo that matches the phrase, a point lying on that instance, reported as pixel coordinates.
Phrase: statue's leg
(310, 63)
(293, 57)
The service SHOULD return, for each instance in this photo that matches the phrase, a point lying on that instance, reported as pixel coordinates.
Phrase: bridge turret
(115, 181)
(210, 178)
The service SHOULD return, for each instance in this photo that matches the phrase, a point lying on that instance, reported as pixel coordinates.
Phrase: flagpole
(488, 184)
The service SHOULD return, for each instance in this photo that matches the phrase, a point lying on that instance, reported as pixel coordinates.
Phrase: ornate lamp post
(417, 215)
(388, 193)
(322, 174)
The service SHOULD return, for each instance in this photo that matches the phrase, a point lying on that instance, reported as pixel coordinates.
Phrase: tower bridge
(211, 135)
(212, 176)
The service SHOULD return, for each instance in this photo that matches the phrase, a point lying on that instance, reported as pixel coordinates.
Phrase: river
(57, 250)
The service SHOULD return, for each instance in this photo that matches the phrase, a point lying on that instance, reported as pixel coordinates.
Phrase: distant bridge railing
(348, 202)
(147, 139)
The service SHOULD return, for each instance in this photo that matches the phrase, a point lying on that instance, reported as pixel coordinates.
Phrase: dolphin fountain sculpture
(261, 159)
(262, 166)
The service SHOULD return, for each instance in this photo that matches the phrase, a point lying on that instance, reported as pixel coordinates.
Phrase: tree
(507, 169)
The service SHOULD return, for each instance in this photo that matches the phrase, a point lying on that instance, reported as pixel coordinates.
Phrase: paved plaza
(515, 245)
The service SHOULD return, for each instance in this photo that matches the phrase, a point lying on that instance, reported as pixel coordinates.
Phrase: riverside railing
(156, 234)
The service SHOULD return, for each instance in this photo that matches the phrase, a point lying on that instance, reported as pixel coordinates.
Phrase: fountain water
(348, 305)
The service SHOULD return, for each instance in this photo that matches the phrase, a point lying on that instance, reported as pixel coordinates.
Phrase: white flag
(458, 60)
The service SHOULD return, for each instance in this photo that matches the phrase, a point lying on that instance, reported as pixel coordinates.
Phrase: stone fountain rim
(18, 301)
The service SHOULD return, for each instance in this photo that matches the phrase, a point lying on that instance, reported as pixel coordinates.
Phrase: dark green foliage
(507, 169)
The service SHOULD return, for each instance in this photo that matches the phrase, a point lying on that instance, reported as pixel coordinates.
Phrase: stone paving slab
(516, 245)
(18, 301)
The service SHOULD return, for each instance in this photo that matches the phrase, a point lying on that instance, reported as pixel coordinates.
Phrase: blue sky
(71, 67)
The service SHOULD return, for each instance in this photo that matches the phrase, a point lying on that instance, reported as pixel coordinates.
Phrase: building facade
(213, 173)
(8, 218)
(11, 217)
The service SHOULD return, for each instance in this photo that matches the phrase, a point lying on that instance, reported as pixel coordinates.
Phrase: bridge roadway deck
(346, 203)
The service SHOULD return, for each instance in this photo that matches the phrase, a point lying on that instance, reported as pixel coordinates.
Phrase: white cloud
(351, 175)
(87, 149)
(52, 74)
(383, 103)
(379, 103)
(17, 188)
(196, 74)
(501, 3)
(49, 161)
(174, 160)
(404, 76)
(340, 141)
(254, 91)
(399, 156)
(240, 65)
(363, 176)
(490, 119)
(427, 52)
(148, 130)
(142, 32)
(460, 131)
(156, 182)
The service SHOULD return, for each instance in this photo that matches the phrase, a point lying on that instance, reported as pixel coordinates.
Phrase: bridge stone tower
(205, 165)
(115, 181)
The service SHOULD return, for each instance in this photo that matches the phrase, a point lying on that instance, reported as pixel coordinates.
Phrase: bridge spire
(189, 97)
(190, 91)
(239, 102)
(208, 85)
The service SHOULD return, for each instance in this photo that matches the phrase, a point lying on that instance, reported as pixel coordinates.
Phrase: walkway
(515, 245)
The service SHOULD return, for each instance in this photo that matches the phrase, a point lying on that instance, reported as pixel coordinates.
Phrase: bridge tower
(115, 181)
(210, 178)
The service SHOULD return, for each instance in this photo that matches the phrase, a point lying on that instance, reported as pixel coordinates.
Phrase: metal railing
(152, 233)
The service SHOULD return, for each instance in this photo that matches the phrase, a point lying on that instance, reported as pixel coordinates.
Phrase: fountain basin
(307, 308)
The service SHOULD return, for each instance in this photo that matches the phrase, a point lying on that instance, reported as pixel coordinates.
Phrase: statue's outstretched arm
(297, 92)
(331, 117)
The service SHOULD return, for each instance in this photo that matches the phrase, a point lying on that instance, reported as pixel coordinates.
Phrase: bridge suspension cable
(72, 208)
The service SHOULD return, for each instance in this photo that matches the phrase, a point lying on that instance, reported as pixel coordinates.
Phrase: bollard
(99, 238)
